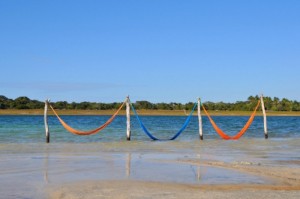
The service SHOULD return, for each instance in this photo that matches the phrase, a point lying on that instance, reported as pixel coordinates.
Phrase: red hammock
(239, 134)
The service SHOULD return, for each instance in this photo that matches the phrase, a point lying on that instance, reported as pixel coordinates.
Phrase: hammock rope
(91, 132)
(155, 138)
(239, 134)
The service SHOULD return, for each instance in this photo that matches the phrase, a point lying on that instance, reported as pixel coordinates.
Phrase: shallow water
(28, 169)
(28, 165)
(30, 129)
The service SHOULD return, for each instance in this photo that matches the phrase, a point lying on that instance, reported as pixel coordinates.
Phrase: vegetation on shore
(272, 105)
(142, 112)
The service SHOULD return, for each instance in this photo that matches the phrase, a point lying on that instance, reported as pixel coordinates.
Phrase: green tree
(189, 106)
(143, 105)
(295, 106)
(286, 105)
(268, 103)
(275, 104)
(61, 105)
(4, 102)
(22, 103)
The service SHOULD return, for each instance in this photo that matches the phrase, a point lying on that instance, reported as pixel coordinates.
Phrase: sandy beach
(248, 168)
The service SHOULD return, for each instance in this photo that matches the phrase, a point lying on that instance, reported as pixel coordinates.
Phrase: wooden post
(200, 119)
(128, 133)
(46, 121)
(265, 116)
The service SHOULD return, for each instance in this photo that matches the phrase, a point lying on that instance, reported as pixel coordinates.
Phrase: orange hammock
(239, 134)
(91, 132)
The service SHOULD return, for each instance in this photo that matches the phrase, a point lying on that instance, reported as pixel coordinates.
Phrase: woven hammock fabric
(172, 138)
(91, 132)
(239, 134)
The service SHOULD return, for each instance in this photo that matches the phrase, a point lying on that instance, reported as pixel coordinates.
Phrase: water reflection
(46, 164)
(198, 168)
(128, 164)
(144, 167)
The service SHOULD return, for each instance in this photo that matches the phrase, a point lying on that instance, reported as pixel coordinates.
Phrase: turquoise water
(29, 166)
(30, 129)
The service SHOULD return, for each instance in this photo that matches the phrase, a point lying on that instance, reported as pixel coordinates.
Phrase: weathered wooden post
(200, 119)
(265, 116)
(128, 133)
(46, 121)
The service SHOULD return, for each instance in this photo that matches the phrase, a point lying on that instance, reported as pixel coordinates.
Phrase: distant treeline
(271, 104)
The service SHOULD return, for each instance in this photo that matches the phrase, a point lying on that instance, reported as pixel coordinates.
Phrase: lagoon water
(29, 166)
(30, 129)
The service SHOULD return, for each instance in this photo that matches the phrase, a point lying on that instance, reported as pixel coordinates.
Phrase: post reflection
(128, 164)
(46, 163)
(198, 168)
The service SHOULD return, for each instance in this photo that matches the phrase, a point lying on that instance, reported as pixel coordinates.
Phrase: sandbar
(247, 168)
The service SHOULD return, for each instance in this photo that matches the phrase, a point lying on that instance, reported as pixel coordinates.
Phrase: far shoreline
(143, 112)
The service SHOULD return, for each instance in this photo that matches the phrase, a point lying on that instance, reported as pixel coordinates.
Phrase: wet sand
(247, 168)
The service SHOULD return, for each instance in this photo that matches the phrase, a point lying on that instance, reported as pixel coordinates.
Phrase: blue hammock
(176, 135)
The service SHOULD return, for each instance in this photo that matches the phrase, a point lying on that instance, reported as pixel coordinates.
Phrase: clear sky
(154, 50)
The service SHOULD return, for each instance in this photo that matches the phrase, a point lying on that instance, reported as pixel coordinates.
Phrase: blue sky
(155, 50)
